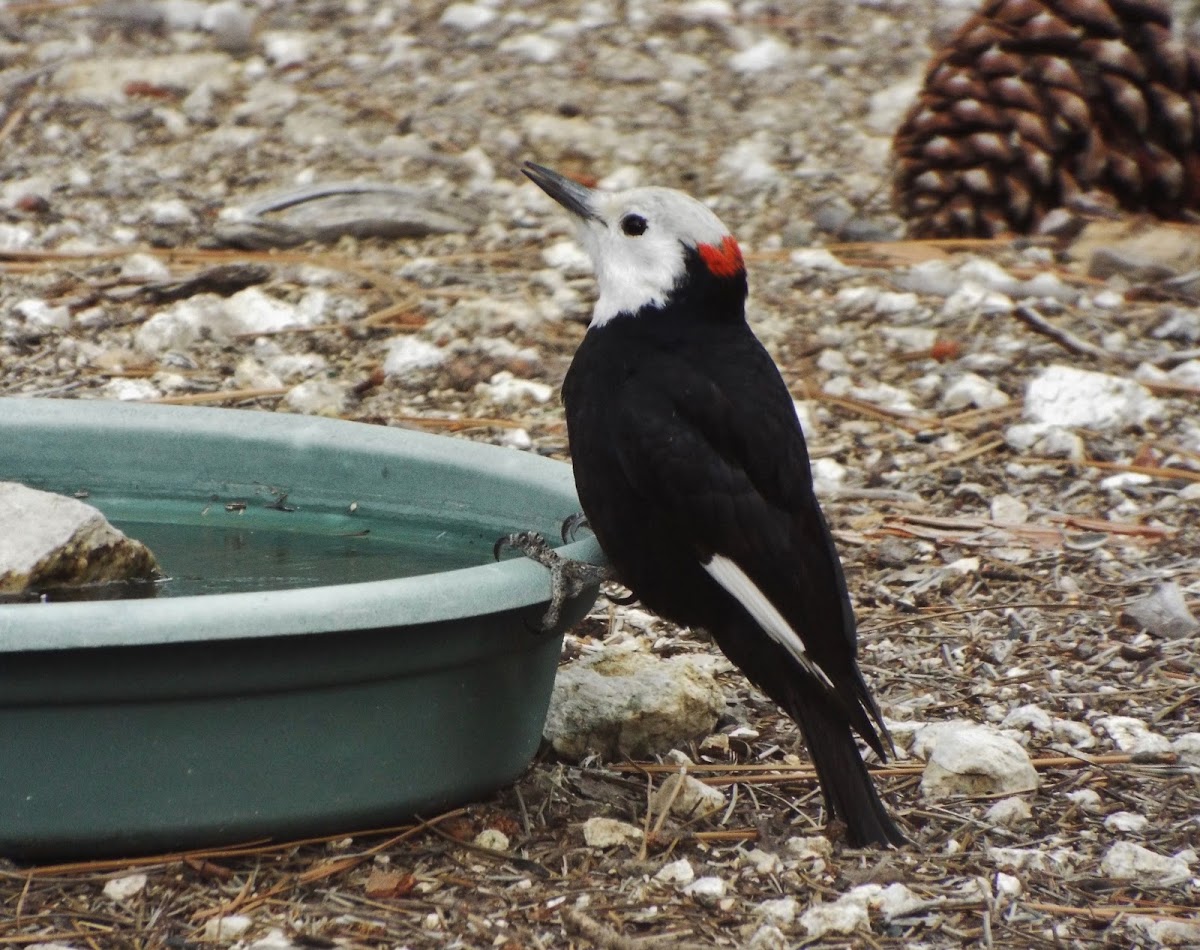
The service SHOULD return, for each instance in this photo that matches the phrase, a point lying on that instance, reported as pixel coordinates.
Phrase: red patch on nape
(724, 260)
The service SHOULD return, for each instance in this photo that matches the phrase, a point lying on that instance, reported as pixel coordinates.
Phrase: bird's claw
(571, 525)
(567, 578)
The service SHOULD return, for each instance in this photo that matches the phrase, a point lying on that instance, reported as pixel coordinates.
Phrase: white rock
(828, 475)
(972, 299)
(533, 48)
(975, 760)
(1088, 800)
(284, 48)
(972, 390)
(688, 797)
(817, 258)
(1126, 861)
(706, 890)
(891, 303)
(843, 916)
(144, 268)
(765, 55)
(14, 237)
(171, 212)
(1133, 736)
(41, 316)
(251, 374)
(1126, 822)
(46, 537)
(609, 833)
(318, 397)
(1008, 887)
(1045, 860)
(1186, 374)
(180, 325)
(493, 839)
(706, 11)
(123, 888)
(1065, 396)
(407, 354)
(467, 17)
(895, 900)
(1028, 716)
(626, 703)
(887, 107)
(130, 390)
(1187, 747)
(506, 389)
(678, 873)
(1044, 439)
(763, 862)
(1008, 812)
(254, 311)
(813, 850)
(1123, 480)
(1075, 734)
(1163, 931)
(909, 339)
(781, 911)
(226, 929)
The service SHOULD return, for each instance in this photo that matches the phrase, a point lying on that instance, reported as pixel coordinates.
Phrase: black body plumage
(686, 445)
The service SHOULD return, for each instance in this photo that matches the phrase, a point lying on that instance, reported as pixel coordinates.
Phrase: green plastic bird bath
(310, 700)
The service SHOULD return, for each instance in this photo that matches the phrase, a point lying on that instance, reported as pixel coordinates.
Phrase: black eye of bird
(633, 225)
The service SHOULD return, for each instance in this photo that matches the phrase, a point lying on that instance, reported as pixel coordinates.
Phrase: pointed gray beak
(570, 194)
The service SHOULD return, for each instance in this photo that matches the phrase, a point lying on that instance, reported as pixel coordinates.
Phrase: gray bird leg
(567, 578)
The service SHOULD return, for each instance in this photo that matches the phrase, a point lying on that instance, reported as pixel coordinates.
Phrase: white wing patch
(731, 577)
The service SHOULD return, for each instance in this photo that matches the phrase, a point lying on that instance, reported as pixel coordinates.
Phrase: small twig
(605, 937)
(1155, 471)
(1064, 338)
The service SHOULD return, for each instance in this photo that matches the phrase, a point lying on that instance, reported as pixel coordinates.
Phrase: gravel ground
(1002, 518)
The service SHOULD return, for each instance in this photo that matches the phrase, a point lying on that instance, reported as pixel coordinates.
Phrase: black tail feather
(848, 788)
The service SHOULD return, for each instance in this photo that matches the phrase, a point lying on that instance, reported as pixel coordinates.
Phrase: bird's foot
(567, 578)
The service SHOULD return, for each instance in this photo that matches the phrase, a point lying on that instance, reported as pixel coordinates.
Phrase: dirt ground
(993, 565)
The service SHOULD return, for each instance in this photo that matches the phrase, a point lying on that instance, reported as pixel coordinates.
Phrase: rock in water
(49, 540)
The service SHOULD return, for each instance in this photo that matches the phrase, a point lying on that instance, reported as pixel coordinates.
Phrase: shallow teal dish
(177, 721)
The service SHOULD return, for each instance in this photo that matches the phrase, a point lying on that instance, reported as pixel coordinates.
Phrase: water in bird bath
(220, 549)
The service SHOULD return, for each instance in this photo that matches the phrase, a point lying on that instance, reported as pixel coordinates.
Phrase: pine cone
(1036, 104)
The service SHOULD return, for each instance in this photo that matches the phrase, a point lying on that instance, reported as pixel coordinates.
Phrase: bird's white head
(642, 242)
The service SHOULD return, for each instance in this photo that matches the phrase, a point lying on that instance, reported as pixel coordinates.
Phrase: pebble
(144, 268)
(1028, 716)
(706, 890)
(1133, 736)
(1163, 931)
(1006, 509)
(493, 839)
(1009, 812)
(171, 212)
(467, 17)
(121, 889)
(407, 354)
(318, 397)
(226, 929)
(41, 317)
(813, 851)
(1088, 800)
(765, 55)
(768, 937)
(887, 107)
(1126, 861)
(506, 389)
(819, 259)
(971, 390)
(609, 832)
(969, 759)
(678, 873)
(1126, 822)
(130, 390)
(1044, 439)
(1187, 747)
(533, 48)
(781, 911)
(1163, 613)
(843, 916)
(628, 703)
(1076, 398)
(1045, 860)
